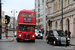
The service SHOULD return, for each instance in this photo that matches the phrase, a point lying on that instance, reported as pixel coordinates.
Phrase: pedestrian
(69, 34)
(66, 32)
(43, 32)
(46, 33)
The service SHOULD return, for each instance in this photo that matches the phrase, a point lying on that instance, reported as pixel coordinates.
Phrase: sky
(17, 5)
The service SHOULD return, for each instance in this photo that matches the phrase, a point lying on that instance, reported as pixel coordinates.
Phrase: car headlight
(57, 38)
(33, 36)
(68, 38)
(41, 35)
(20, 35)
(15, 33)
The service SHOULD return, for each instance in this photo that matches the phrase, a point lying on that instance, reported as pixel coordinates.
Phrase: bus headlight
(33, 36)
(20, 35)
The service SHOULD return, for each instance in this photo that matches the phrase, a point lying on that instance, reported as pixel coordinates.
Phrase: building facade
(3, 19)
(39, 8)
(12, 23)
(54, 14)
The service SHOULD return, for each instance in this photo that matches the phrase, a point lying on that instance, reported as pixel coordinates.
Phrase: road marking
(68, 47)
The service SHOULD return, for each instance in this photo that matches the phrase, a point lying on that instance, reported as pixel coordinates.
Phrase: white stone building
(3, 19)
(54, 14)
(12, 23)
(39, 8)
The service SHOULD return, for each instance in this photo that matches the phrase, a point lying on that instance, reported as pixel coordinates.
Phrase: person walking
(43, 32)
(69, 34)
(46, 33)
(66, 32)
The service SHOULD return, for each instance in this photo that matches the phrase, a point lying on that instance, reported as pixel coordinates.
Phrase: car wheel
(54, 43)
(67, 44)
(41, 37)
(47, 41)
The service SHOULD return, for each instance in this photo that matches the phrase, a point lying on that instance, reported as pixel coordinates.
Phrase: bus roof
(24, 10)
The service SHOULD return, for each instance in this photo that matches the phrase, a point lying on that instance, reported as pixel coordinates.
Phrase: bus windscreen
(22, 27)
(26, 28)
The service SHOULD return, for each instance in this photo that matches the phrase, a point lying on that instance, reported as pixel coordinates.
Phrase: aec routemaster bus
(26, 25)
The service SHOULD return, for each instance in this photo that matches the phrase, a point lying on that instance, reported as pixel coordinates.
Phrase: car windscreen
(22, 27)
(61, 33)
(36, 31)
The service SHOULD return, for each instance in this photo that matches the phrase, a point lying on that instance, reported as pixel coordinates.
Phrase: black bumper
(67, 42)
(39, 37)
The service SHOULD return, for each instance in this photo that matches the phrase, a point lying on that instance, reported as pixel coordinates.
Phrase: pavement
(9, 39)
(72, 41)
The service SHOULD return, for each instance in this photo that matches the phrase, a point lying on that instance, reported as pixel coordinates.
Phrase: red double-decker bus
(26, 25)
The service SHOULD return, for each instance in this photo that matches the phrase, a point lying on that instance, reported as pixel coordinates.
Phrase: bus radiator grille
(27, 36)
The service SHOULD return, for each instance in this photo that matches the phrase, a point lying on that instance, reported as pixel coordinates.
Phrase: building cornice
(49, 1)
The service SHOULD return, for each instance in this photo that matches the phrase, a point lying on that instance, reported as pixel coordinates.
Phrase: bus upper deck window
(24, 14)
(31, 15)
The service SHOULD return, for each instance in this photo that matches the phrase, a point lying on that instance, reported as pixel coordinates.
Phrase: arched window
(67, 24)
(74, 20)
(56, 25)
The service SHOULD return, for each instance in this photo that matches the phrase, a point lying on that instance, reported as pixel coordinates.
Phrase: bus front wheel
(18, 40)
(33, 40)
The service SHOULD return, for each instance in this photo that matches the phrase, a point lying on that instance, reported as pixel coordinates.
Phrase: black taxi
(57, 37)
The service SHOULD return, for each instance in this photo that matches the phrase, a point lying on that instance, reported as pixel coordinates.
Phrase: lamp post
(62, 22)
(62, 14)
(38, 22)
(14, 20)
(44, 17)
(0, 21)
